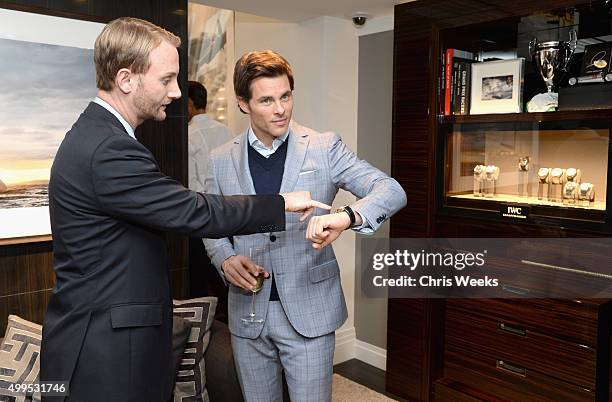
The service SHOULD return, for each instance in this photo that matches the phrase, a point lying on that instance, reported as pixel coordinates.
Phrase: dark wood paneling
(26, 279)
(180, 283)
(415, 352)
(26, 270)
(412, 363)
(30, 306)
(414, 347)
(23, 272)
(447, 390)
(544, 353)
(481, 372)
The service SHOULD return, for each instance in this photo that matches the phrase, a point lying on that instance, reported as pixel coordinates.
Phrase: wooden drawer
(570, 320)
(506, 382)
(540, 277)
(509, 341)
(447, 390)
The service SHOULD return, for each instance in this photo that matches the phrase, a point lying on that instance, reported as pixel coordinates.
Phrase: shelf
(507, 198)
(528, 117)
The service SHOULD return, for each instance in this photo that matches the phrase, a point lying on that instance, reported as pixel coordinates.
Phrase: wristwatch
(523, 163)
(586, 192)
(556, 176)
(479, 172)
(573, 174)
(492, 172)
(569, 190)
(544, 174)
(349, 212)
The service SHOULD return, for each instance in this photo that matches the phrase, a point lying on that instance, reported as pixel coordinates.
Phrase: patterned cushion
(191, 377)
(181, 328)
(19, 357)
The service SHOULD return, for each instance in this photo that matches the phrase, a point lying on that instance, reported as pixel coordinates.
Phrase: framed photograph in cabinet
(48, 79)
(497, 87)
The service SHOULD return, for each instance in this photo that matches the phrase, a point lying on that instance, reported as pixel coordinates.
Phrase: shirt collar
(199, 117)
(261, 148)
(115, 113)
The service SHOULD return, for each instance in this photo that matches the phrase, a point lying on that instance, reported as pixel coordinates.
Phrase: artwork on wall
(48, 79)
(211, 57)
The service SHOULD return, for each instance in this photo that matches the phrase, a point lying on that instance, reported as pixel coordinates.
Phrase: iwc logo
(514, 212)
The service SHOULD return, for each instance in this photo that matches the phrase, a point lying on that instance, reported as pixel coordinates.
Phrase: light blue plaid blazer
(308, 281)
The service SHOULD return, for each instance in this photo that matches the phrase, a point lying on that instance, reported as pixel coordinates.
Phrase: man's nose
(174, 92)
(279, 108)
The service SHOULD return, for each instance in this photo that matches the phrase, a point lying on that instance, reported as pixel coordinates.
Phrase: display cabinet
(555, 167)
(489, 152)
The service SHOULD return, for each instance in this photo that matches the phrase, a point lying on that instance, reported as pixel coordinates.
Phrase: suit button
(272, 238)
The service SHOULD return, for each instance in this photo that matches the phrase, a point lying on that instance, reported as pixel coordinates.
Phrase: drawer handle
(512, 330)
(515, 290)
(520, 371)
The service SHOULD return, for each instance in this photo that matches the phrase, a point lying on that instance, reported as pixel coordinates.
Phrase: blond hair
(127, 43)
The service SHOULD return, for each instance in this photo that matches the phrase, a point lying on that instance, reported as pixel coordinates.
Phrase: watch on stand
(570, 192)
(573, 174)
(491, 176)
(543, 179)
(479, 177)
(524, 185)
(586, 194)
(557, 179)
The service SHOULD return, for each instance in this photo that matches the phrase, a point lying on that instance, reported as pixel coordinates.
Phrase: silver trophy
(551, 60)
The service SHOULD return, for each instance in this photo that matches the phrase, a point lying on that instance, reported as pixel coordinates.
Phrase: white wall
(323, 53)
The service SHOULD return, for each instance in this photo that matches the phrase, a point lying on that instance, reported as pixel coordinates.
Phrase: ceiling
(300, 10)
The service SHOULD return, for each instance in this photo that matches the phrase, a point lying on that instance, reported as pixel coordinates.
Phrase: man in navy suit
(108, 326)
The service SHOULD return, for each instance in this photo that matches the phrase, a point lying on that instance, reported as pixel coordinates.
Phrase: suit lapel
(296, 152)
(240, 158)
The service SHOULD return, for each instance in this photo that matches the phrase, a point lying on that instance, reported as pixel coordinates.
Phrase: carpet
(345, 390)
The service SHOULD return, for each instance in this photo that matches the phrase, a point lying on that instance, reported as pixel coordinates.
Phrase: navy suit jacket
(108, 325)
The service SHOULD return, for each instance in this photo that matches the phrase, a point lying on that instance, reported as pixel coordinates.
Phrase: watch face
(571, 172)
(557, 172)
(585, 186)
(478, 169)
(543, 172)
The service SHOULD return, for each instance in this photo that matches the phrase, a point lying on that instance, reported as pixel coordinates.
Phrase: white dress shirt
(205, 134)
(261, 148)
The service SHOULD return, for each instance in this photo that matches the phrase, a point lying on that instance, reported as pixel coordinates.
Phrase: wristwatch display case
(552, 169)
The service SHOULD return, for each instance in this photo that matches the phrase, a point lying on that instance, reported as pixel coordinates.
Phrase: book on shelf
(461, 99)
(452, 79)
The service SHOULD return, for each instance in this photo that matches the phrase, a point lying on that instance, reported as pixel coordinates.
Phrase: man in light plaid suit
(301, 304)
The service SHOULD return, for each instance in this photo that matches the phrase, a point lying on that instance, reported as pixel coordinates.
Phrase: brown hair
(127, 43)
(253, 65)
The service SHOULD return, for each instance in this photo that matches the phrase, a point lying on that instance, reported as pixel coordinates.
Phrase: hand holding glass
(256, 255)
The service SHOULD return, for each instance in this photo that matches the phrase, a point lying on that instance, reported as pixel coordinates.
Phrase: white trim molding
(345, 345)
(371, 354)
(349, 347)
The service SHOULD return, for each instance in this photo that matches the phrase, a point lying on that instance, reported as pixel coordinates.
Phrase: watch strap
(349, 212)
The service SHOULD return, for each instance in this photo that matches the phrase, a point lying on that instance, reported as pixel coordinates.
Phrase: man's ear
(125, 80)
(243, 105)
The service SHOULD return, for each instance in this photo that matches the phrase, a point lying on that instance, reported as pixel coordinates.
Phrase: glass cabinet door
(559, 171)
